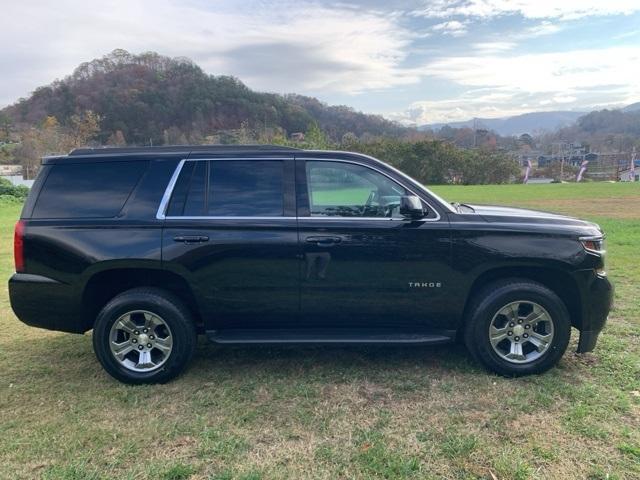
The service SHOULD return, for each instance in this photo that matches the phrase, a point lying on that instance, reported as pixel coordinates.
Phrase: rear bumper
(45, 303)
(598, 303)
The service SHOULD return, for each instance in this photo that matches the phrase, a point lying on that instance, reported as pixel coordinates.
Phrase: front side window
(229, 188)
(349, 190)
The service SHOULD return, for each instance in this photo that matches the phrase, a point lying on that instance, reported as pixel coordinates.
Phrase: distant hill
(516, 125)
(153, 98)
(631, 108)
(624, 121)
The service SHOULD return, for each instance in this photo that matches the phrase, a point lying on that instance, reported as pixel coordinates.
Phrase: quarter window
(348, 190)
(189, 192)
(88, 190)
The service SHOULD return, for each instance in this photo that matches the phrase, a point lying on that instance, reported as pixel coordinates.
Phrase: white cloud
(564, 98)
(534, 9)
(453, 28)
(493, 47)
(542, 72)
(500, 85)
(543, 28)
(286, 47)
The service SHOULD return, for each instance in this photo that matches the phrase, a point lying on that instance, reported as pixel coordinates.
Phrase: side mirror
(411, 207)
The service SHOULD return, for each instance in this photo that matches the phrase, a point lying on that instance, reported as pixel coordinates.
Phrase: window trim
(387, 219)
(166, 197)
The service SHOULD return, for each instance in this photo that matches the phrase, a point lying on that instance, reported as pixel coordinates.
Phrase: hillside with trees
(153, 99)
(602, 131)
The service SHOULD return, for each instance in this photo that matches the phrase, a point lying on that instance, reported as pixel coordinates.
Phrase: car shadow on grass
(335, 360)
(71, 358)
(70, 361)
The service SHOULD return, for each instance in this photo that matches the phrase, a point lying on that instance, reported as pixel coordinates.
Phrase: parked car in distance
(150, 247)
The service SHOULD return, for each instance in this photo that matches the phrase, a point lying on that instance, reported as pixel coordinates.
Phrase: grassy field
(337, 412)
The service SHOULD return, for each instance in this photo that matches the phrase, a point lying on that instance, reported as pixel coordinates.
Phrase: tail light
(18, 246)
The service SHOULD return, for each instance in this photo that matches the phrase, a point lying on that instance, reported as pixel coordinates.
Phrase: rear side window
(90, 190)
(235, 188)
(246, 189)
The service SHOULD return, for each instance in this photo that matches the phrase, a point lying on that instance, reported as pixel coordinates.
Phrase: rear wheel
(517, 327)
(144, 335)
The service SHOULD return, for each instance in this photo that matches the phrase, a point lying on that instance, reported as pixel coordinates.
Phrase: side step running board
(240, 336)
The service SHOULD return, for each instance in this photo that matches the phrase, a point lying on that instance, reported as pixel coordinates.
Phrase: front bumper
(45, 303)
(596, 307)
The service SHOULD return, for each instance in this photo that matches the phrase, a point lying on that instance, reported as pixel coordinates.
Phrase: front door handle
(191, 238)
(324, 241)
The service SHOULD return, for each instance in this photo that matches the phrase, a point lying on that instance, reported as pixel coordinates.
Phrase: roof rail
(177, 148)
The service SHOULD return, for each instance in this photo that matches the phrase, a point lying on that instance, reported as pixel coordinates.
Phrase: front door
(230, 230)
(364, 265)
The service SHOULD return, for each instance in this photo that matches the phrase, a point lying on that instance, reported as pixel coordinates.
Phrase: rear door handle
(191, 238)
(324, 241)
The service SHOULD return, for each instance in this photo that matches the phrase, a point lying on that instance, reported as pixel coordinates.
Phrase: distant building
(297, 137)
(13, 173)
(540, 180)
(10, 170)
(628, 175)
(524, 157)
(572, 154)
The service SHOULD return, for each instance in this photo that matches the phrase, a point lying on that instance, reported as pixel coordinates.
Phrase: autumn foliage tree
(50, 138)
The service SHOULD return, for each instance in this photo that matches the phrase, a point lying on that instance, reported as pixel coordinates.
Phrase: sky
(417, 62)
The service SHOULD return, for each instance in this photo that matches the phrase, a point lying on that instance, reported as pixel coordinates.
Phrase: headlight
(593, 244)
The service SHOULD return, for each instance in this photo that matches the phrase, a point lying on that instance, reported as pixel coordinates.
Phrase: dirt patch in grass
(625, 208)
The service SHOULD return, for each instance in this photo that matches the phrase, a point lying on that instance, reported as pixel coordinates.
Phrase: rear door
(230, 229)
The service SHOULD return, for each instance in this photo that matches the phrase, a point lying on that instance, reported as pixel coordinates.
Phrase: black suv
(257, 244)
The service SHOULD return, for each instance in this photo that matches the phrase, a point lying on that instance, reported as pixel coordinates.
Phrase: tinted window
(189, 192)
(348, 190)
(246, 188)
(97, 190)
(235, 188)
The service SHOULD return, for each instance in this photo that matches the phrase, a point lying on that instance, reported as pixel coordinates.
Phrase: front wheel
(517, 327)
(144, 335)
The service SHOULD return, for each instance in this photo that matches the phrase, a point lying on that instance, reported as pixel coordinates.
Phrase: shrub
(7, 189)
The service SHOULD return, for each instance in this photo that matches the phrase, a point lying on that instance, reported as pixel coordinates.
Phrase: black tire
(159, 302)
(490, 300)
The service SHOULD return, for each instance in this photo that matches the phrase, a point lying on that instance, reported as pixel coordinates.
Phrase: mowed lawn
(337, 412)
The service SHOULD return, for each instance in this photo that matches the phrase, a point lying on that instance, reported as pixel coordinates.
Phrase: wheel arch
(558, 281)
(102, 286)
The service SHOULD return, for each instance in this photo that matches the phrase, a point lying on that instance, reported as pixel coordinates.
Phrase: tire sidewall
(501, 297)
(183, 337)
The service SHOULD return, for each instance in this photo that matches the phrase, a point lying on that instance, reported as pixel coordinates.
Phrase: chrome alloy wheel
(140, 341)
(521, 332)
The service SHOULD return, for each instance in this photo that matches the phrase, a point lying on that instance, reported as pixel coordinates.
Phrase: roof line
(178, 149)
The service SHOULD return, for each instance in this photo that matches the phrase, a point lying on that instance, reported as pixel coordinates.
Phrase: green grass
(517, 193)
(336, 412)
